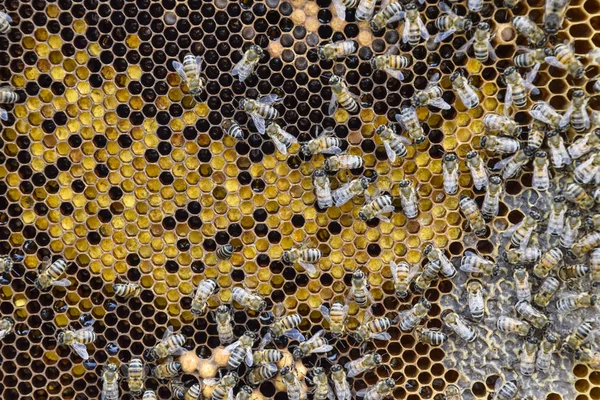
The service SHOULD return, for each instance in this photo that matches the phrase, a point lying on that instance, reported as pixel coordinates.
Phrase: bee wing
(62, 282)
(265, 340)
(531, 87)
(168, 333)
(502, 163)
(237, 69)
(507, 98)
(81, 350)
(340, 9)
(381, 336)
(199, 64)
(309, 268)
(491, 50)
(332, 150)
(388, 150)
(444, 35)
(395, 73)
(3, 114)
(280, 146)
(586, 118)
(294, 334)
(332, 104)
(318, 335)
(554, 62)
(229, 349)
(179, 69)
(446, 8)
(325, 312)
(330, 394)
(399, 16)
(86, 329)
(343, 199)
(540, 116)
(230, 393)
(422, 29)
(469, 268)
(564, 121)
(322, 349)
(363, 392)
(465, 47)
(210, 382)
(406, 31)
(6, 16)
(259, 122)
(465, 99)
(269, 99)
(412, 272)
(530, 76)
(439, 103)
(278, 309)
(249, 358)
(498, 385)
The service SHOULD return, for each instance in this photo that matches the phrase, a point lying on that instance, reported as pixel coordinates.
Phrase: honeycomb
(109, 163)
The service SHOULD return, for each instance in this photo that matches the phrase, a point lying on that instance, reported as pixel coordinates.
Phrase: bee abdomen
(8, 97)
(225, 252)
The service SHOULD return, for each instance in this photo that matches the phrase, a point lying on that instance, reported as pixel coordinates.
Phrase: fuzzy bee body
(517, 88)
(459, 326)
(577, 113)
(194, 392)
(589, 357)
(340, 383)
(380, 205)
(261, 110)
(556, 219)
(110, 383)
(565, 58)
(233, 129)
(595, 267)
(537, 135)
(5, 21)
(481, 42)
(374, 329)
(49, 276)
(261, 373)
(343, 161)
(570, 231)
(522, 285)
(8, 94)
(314, 345)
(360, 290)
(472, 263)
(512, 325)
(528, 356)
(506, 391)
(295, 389)
(167, 370)
(545, 113)
(586, 172)
(393, 144)
(224, 325)
(575, 193)
(267, 356)
(434, 254)
(408, 199)
(528, 255)
(391, 13)
(322, 189)
(519, 238)
(431, 95)
(281, 139)
(224, 387)
(453, 392)
(409, 319)
(571, 272)
(450, 173)
(241, 351)
(135, 376)
(6, 326)
(322, 390)
(250, 301)
(500, 145)
(149, 395)
(345, 193)
(530, 314)
(578, 336)
(382, 389)
(127, 290)
(224, 252)
(449, 23)
(206, 288)
(402, 276)
(473, 215)
(574, 302)
(341, 6)
(540, 179)
(245, 393)
(190, 71)
(530, 31)
(305, 257)
(365, 10)
(478, 171)
(432, 337)
(427, 276)
(491, 202)
(584, 144)
(365, 363)
(414, 28)
(532, 58)
(465, 91)
(340, 49)
(547, 289)
(475, 299)
(340, 94)
(392, 64)
(549, 261)
(323, 144)
(586, 244)
(409, 121)
(169, 345)
(501, 124)
(179, 390)
(6, 264)
(287, 326)
(244, 68)
(77, 340)
(554, 14)
(544, 355)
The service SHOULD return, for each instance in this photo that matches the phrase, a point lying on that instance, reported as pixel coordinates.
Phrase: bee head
(380, 129)
(262, 306)
(318, 371)
(542, 42)
(374, 26)
(242, 104)
(482, 142)
(577, 354)
(250, 334)
(362, 216)
(298, 353)
(578, 93)
(364, 182)
(373, 61)
(551, 24)
(222, 309)
(509, 71)
(529, 151)
(455, 75)
(320, 52)
(257, 49)
(427, 249)
(541, 154)
(420, 140)
(472, 154)
(495, 179)
(483, 26)
(410, 6)
(285, 257)
(111, 367)
(593, 299)
(451, 156)
(425, 303)
(336, 368)
(319, 173)
(573, 213)
(468, 24)
(589, 223)
(404, 183)
(60, 337)
(305, 151)
(535, 213)
(389, 382)
(377, 359)
(558, 199)
(334, 80)
(496, 270)
(552, 133)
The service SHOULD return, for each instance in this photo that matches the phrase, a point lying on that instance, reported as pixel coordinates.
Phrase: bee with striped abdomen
(392, 64)
(382, 389)
(505, 390)
(233, 129)
(564, 58)
(284, 326)
(314, 345)
(530, 314)
(584, 144)
(127, 290)
(294, 387)
(365, 10)
(522, 285)
(521, 233)
(530, 31)
(558, 153)
(261, 373)
(501, 124)
(78, 340)
(110, 382)
(517, 88)
(261, 110)
(409, 121)
(511, 325)
(556, 219)
(459, 326)
(589, 357)
(586, 244)
(578, 336)
(512, 165)
(537, 134)
(346, 192)
(365, 363)
(49, 276)
(478, 170)
(340, 7)
(149, 395)
(402, 275)
(343, 161)
(394, 144)
(571, 272)
(575, 193)
(449, 23)
(342, 95)
(414, 28)
(359, 291)
(587, 171)
(244, 68)
(267, 356)
(6, 326)
(593, 222)
(322, 189)
(6, 264)
(434, 254)
(249, 301)
(473, 215)
(245, 393)
(190, 71)
(547, 289)
(324, 143)
(241, 350)
(574, 302)
(475, 264)
(224, 324)
(499, 145)
(167, 370)
(169, 345)
(5, 21)
(8, 95)
(464, 90)
(545, 113)
(482, 44)
(224, 387)
(544, 355)
(136, 374)
(595, 267)
(431, 95)
(340, 383)
(453, 392)
(408, 199)
(376, 206)
(554, 15)
(450, 173)
(206, 289)
(475, 299)
(527, 255)
(549, 261)
(409, 319)
(577, 113)
(427, 276)
(322, 390)
(432, 337)
(303, 256)
(528, 356)
(531, 58)
(281, 139)
(540, 179)
(224, 252)
(340, 49)
(388, 14)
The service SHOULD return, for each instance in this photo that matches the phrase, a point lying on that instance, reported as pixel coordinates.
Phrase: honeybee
(224, 252)
(190, 71)
(261, 110)
(340, 383)
(578, 336)
(589, 357)
(322, 189)
(473, 215)
(149, 395)
(179, 390)
(449, 23)
(408, 199)
(537, 134)
(431, 95)
(414, 28)
(554, 15)
(110, 382)
(382, 389)
(477, 169)
(556, 219)
(475, 299)
(343, 161)
(77, 340)
(549, 261)
(365, 363)
(267, 356)
(375, 207)
(429, 274)
(322, 390)
(244, 68)
(245, 393)
(577, 112)
(540, 179)
(360, 289)
(167, 370)
(587, 171)
(593, 222)
(392, 64)
(482, 44)
(295, 389)
(475, 6)
(324, 143)
(206, 289)
(511, 325)
(224, 324)
(169, 345)
(281, 139)
(241, 350)
(577, 194)
(49, 276)
(409, 121)
(528, 255)
(453, 392)
(521, 233)
(340, 49)
(127, 290)
(564, 58)
(530, 31)
(435, 254)
(409, 319)
(5, 21)
(305, 257)
(528, 356)
(341, 94)
(6, 326)
(224, 387)
(499, 145)
(545, 113)
(233, 129)
(595, 267)
(571, 272)
(464, 89)
(530, 314)
(314, 345)
(544, 355)
(402, 275)
(547, 289)
(6, 264)
(365, 10)
(341, 6)
(586, 244)
(450, 173)
(394, 145)
(136, 373)
(574, 302)
(491, 202)
(517, 88)
(473, 263)
(250, 301)
(500, 124)
(346, 192)
(531, 58)
(459, 326)
(584, 144)
(432, 337)
(522, 285)
(284, 326)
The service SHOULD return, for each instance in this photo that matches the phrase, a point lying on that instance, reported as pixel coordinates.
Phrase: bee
(409, 319)
(340, 49)
(322, 189)
(169, 345)
(571, 272)
(577, 194)
(528, 356)
(167, 370)
(522, 285)
(574, 302)
(136, 373)
(365, 10)
(5, 21)
(537, 134)
(545, 113)
(261, 110)
(556, 219)
(547, 289)
(340, 382)
(224, 387)
(531, 58)
(360, 289)
(314, 345)
(244, 68)
(409, 121)
(149, 395)
(365, 363)
(473, 263)
(517, 88)
(373, 328)
(429, 274)
(281, 139)
(224, 324)
(528, 255)
(295, 389)
(530, 31)
(408, 199)
(431, 95)
(577, 113)
(432, 337)
(500, 124)
(179, 390)
(459, 326)
(586, 244)
(305, 257)
(435, 254)
(587, 171)
(110, 383)
(241, 350)
(491, 202)
(584, 144)
(464, 89)
(322, 390)
(394, 145)
(206, 288)
(388, 14)
(595, 267)
(477, 169)
(267, 357)
(473, 215)
(341, 94)
(190, 73)
(6, 264)
(544, 355)
(346, 192)
(521, 233)
(482, 44)
(512, 325)
(225, 252)
(589, 357)
(49, 276)
(450, 173)
(343, 161)
(564, 58)
(449, 23)
(453, 392)
(284, 326)
(498, 145)
(77, 340)
(549, 261)
(571, 229)
(324, 143)
(540, 179)
(402, 275)
(245, 393)
(6, 326)
(127, 290)
(554, 15)
(475, 5)
(380, 390)
(414, 28)
(233, 129)
(475, 299)
(578, 336)
(392, 64)
(247, 300)
(375, 207)
(533, 316)
(505, 390)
